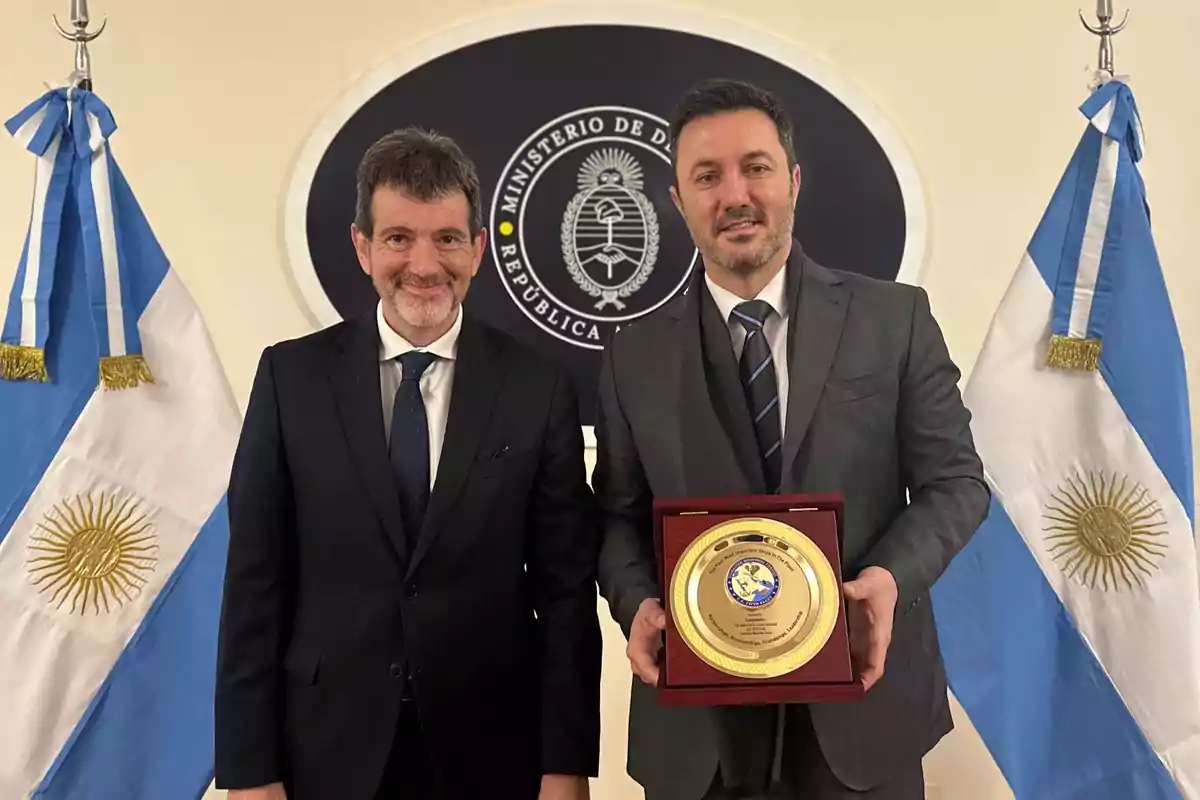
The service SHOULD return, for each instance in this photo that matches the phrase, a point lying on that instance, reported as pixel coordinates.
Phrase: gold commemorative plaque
(754, 597)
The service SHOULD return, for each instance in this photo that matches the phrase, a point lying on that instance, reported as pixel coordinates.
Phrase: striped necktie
(757, 371)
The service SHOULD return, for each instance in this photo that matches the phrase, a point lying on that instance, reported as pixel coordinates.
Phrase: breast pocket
(859, 413)
(860, 387)
(503, 474)
(498, 487)
(504, 460)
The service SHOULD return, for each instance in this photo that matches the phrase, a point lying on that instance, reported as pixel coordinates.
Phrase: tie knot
(414, 363)
(752, 314)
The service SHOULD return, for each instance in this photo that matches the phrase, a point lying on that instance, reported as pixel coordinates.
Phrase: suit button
(410, 591)
(396, 670)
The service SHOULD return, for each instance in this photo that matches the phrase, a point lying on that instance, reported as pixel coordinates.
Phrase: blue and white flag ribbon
(68, 129)
(1070, 624)
(1105, 190)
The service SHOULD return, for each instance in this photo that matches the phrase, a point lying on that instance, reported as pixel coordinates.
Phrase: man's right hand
(645, 640)
(272, 792)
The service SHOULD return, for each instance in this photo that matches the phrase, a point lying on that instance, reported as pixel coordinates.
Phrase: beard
(424, 312)
(738, 259)
(746, 262)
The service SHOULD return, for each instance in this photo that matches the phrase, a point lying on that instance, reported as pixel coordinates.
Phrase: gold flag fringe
(124, 372)
(21, 363)
(1073, 354)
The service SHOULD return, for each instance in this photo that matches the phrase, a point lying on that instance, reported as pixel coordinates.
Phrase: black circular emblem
(567, 125)
(594, 171)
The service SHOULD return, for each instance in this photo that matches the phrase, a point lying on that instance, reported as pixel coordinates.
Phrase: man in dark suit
(772, 374)
(410, 597)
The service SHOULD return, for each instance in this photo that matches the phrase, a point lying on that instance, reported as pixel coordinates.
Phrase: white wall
(215, 100)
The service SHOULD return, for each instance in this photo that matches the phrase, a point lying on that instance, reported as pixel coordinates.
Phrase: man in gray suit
(770, 374)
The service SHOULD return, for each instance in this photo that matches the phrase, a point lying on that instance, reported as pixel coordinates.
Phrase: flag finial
(81, 78)
(1105, 30)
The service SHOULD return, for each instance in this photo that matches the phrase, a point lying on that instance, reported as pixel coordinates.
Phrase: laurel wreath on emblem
(625, 164)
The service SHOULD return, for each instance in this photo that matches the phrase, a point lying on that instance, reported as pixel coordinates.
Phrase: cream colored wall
(215, 100)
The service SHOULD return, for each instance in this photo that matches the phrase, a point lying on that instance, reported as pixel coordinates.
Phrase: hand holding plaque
(645, 640)
(871, 607)
(753, 599)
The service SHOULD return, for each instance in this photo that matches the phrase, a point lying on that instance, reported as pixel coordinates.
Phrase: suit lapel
(710, 465)
(478, 373)
(354, 376)
(725, 389)
(818, 301)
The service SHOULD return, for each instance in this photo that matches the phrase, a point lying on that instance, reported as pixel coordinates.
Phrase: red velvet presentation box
(685, 678)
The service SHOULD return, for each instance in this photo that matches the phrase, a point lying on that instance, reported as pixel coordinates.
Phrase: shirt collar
(392, 345)
(774, 293)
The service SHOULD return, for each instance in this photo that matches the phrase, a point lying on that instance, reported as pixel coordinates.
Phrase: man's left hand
(564, 787)
(870, 610)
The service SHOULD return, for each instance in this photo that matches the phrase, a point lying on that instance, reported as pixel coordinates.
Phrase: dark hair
(716, 95)
(423, 164)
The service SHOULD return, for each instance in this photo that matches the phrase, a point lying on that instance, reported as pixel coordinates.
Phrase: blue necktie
(757, 371)
(409, 447)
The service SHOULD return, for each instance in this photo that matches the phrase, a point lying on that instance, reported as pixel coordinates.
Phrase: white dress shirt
(436, 382)
(775, 329)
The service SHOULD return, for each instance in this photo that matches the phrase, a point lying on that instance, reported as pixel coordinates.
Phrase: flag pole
(81, 78)
(1105, 30)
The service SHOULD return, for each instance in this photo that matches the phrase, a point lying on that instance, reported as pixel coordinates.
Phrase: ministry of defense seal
(576, 227)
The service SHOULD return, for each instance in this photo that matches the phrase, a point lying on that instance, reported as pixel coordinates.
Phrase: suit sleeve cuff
(247, 778)
(908, 586)
(626, 607)
(572, 769)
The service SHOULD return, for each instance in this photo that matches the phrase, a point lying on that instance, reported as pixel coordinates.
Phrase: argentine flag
(1070, 625)
(117, 429)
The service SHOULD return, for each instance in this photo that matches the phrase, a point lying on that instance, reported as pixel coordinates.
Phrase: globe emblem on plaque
(752, 582)
(610, 231)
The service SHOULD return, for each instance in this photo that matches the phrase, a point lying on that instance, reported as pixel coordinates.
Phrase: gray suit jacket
(873, 411)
